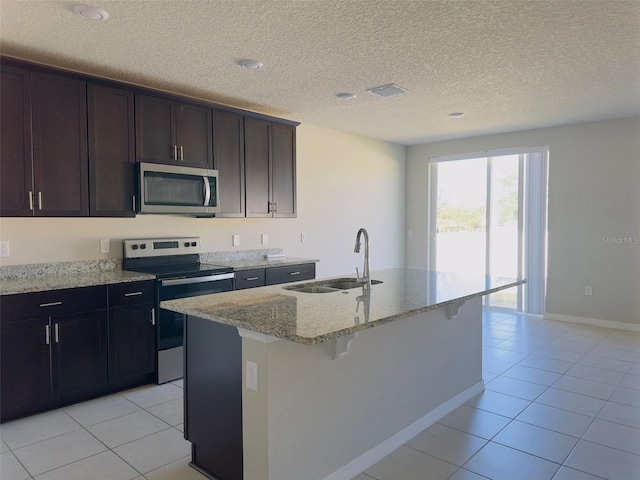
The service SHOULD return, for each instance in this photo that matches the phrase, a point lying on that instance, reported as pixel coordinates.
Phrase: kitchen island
(283, 384)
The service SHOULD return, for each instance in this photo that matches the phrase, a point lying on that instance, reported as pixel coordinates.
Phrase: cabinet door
(193, 135)
(111, 152)
(257, 167)
(79, 353)
(25, 367)
(228, 159)
(283, 170)
(131, 342)
(155, 127)
(59, 129)
(16, 174)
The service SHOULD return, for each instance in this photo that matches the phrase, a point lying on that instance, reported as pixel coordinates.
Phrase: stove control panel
(155, 247)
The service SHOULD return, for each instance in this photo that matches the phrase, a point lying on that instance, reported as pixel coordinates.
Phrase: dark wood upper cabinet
(111, 151)
(283, 170)
(257, 155)
(16, 166)
(173, 132)
(270, 169)
(228, 159)
(59, 130)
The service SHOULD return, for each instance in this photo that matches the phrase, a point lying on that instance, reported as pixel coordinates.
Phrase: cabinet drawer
(250, 278)
(131, 293)
(290, 273)
(52, 303)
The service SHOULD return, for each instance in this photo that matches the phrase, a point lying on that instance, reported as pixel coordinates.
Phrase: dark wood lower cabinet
(132, 343)
(25, 367)
(79, 354)
(213, 397)
(62, 346)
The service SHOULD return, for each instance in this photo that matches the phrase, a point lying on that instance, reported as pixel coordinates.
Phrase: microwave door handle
(207, 191)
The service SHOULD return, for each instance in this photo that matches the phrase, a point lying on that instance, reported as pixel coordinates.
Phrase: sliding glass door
(488, 216)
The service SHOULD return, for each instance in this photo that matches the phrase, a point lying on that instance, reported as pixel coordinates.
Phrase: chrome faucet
(366, 276)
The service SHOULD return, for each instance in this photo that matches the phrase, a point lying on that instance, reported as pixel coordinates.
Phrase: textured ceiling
(510, 65)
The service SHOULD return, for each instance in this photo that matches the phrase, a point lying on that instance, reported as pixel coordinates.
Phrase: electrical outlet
(4, 248)
(235, 241)
(303, 237)
(105, 246)
(252, 376)
(264, 238)
(588, 290)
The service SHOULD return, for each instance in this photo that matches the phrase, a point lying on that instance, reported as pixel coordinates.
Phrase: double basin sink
(328, 286)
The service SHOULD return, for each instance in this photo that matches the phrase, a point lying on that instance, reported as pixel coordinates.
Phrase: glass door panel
(461, 216)
(504, 226)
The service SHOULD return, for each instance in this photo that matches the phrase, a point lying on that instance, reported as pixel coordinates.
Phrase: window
(488, 215)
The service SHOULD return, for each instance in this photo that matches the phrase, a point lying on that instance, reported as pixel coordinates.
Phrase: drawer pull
(295, 273)
(132, 294)
(51, 304)
(250, 279)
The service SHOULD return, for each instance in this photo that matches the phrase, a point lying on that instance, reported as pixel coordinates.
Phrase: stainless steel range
(176, 264)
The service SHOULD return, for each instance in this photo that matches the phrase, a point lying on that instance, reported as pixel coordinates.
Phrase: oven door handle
(185, 281)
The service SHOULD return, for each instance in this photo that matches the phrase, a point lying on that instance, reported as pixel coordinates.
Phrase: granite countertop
(87, 273)
(249, 264)
(32, 284)
(311, 318)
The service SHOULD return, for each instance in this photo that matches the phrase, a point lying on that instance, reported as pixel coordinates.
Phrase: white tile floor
(562, 402)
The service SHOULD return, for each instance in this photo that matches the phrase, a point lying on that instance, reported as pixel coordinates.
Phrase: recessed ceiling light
(346, 96)
(250, 64)
(457, 115)
(91, 13)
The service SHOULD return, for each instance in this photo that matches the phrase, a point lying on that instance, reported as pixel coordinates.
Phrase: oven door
(171, 324)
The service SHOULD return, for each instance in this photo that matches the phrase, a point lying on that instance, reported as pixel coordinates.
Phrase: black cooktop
(174, 266)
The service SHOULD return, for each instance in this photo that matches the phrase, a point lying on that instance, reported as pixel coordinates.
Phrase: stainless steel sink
(328, 286)
(347, 283)
(314, 289)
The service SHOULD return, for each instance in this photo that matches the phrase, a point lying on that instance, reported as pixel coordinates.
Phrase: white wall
(344, 182)
(594, 193)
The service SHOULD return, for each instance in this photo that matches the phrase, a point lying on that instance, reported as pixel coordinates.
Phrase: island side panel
(213, 397)
(324, 412)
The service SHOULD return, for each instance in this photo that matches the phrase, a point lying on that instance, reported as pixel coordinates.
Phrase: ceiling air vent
(387, 90)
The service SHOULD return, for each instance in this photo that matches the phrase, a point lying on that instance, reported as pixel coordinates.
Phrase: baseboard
(593, 322)
(377, 453)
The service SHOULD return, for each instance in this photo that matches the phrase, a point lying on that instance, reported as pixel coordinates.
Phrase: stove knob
(193, 244)
(134, 247)
(143, 246)
(186, 244)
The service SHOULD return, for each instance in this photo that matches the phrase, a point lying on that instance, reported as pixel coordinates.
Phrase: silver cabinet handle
(153, 316)
(39, 200)
(132, 294)
(250, 279)
(57, 331)
(181, 153)
(133, 203)
(30, 200)
(175, 152)
(294, 273)
(47, 334)
(51, 304)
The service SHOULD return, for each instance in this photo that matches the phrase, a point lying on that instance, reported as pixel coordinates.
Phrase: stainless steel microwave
(177, 190)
